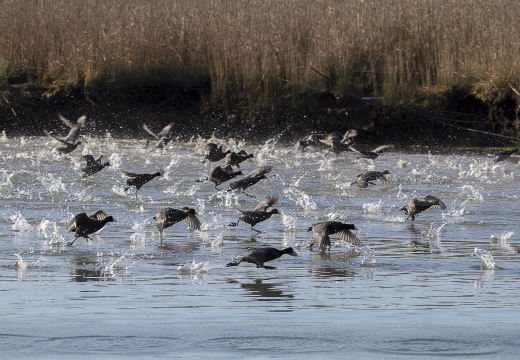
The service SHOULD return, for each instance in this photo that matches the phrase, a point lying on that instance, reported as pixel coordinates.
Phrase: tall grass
(253, 54)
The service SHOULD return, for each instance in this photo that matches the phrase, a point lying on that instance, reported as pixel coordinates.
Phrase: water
(413, 290)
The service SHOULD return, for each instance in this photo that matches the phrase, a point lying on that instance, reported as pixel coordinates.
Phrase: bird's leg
(72, 242)
(234, 223)
(258, 231)
(234, 263)
(269, 267)
(249, 195)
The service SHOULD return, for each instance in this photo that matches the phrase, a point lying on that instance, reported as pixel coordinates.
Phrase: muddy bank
(460, 120)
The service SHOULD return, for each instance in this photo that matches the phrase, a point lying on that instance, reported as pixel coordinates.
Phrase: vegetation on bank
(257, 56)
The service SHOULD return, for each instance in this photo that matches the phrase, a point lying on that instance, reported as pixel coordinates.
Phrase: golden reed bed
(250, 53)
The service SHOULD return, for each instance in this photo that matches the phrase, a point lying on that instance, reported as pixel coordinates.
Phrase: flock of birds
(83, 225)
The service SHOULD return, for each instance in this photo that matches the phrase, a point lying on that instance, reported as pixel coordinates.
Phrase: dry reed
(251, 54)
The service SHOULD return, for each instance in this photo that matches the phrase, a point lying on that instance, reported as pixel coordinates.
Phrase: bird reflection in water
(260, 289)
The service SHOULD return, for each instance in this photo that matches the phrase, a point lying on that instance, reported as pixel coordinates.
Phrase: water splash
(369, 257)
(115, 265)
(20, 263)
(471, 193)
(373, 208)
(434, 232)
(455, 212)
(485, 256)
(5, 178)
(503, 239)
(301, 198)
(115, 161)
(20, 223)
(193, 267)
(326, 164)
(52, 183)
(49, 230)
(267, 151)
(289, 222)
(3, 137)
(228, 199)
(110, 142)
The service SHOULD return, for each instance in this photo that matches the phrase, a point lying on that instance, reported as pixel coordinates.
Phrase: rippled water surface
(445, 285)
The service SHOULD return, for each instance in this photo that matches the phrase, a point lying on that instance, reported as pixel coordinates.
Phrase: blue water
(414, 290)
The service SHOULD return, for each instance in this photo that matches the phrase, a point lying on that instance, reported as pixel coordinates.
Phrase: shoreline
(32, 111)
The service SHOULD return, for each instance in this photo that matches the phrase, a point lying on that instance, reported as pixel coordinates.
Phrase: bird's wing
(321, 239)
(382, 148)
(165, 132)
(350, 134)
(73, 134)
(82, 121)
(349, 236)
(57, 138)
(269, 201)
(127, 174)
(385, 180)
(193, 222)
(260, 171)
(66, 122)
(90, 160)
(147, 129)
(352, 148)
(434, 202)
(72, 225)
(98, 215)
(160, 217)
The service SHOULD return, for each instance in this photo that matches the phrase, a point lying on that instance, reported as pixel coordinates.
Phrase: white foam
(373, 208)
(20, 223)
(49, 230)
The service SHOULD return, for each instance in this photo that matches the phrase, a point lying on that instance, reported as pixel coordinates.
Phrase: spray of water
(193, 267)
(369, 257)
(20, 223)
(301, 198)
(49, 230)
(485, 256)
(289, 222)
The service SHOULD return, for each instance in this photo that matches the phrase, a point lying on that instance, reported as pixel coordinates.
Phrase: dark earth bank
(459, 120)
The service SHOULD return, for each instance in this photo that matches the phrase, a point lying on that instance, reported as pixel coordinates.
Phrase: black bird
(369, 177)
(93, 165)
(312, 142)
(259, 213)
(138, 180)
(236, 158)
(71, 140)
(215, 152)
(83, 225)
(322, 230)
(416, 206)
(163, 137)
(250, 179)
(221, 174)
(373, 154)
(263, 255)
(504, 154)
(168, 216)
